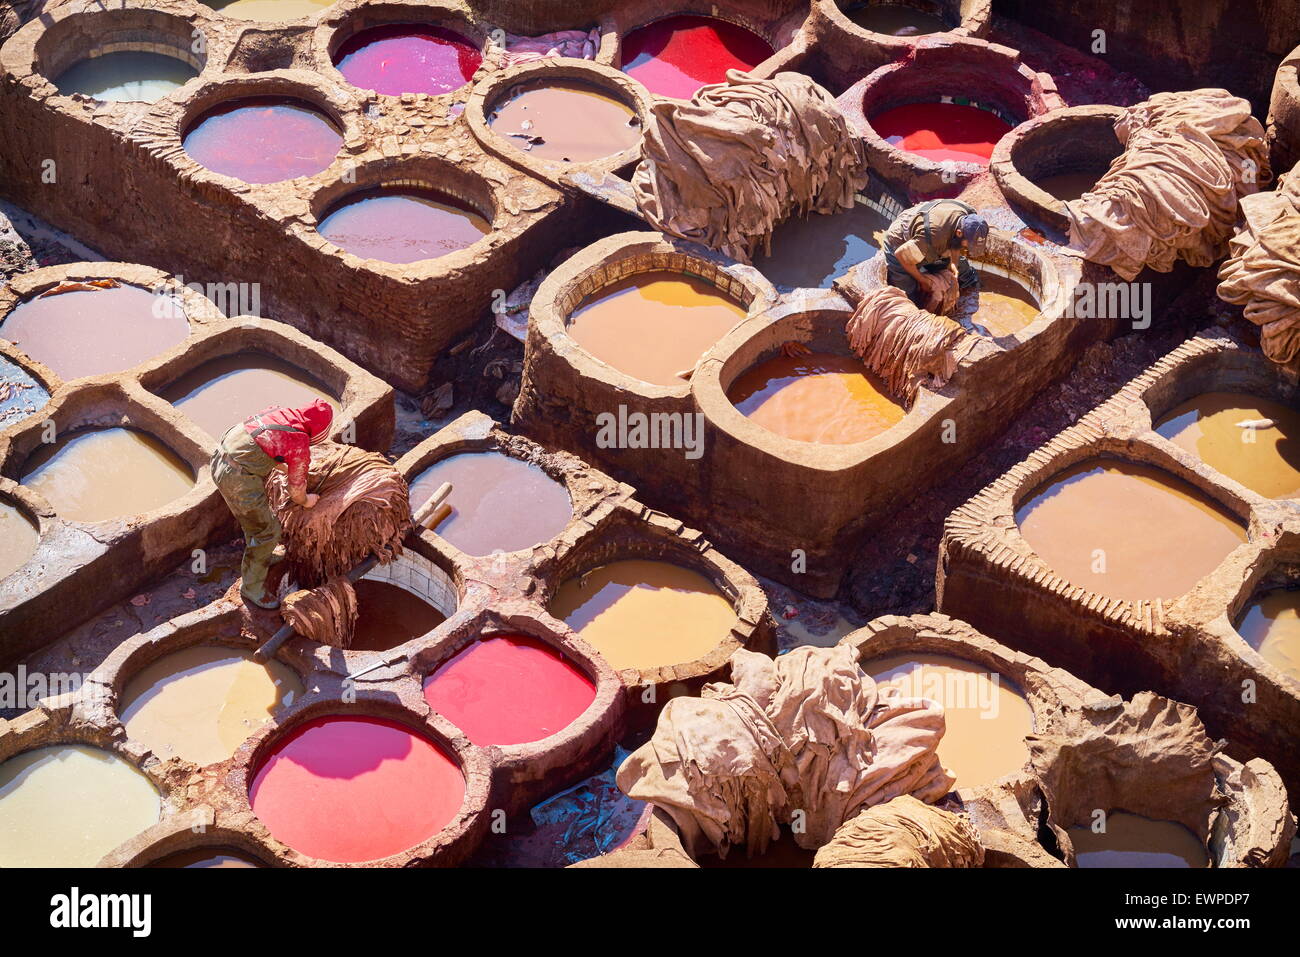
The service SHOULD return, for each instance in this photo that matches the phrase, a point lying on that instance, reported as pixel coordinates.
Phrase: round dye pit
(498, 503)
(1000, 307)
(986, 715)
(222, 857)
(402, 226)
(95, 331)
(402, 58)
(68, 805)
(1271, 625)
(1130, 840)
(895, 19)
(942, 132)
(264, 140)
(811, 252)
(202, 703)
(677, 55)
(1264, 458)
(1127, 530)
(102, 474)
(823, 398)
(509, 689)
(126, 76)
(221, 392)
(645, 614)
(389, 615)
(1069, 186)
(348, 789)
(18, 538)
(654, 326)
(272, 11)
(565, 120)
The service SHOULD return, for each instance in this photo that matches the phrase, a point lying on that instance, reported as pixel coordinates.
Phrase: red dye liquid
(509, 689)
(408, 58)
(263, 140)
(677, 55)
(348, 789)
(402, 227)
(942, 131)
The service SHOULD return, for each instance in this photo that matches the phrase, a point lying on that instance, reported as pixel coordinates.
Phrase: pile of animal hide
(807, 740)
(744, 155)
(906, 346)
(904, 832)
(1172, 194)
(327, 613)
(1262, 271)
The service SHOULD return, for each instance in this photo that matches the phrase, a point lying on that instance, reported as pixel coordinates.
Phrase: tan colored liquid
(894, 19)
(1131, 840)
(986, 715)
(1271, 625)
(654, 325)
(18, 538)
(272, 11)
(830, 399)
(223, 391)
(1126, 530)
(644, 614)
(202, 703)
(1264, 459)
(388, 616)
(1068, 186)
(1000, 307)
(207, 857)
(97, 475)
(568, 121)
(68, 805)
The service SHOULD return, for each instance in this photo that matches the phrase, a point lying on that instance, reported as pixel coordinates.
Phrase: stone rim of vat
(1071, 127)
(346, 18)
(241, 21)
(1180, 647)
(943, 66)
(783, 31)
(73, 560)
(62, 40)
(495, 87)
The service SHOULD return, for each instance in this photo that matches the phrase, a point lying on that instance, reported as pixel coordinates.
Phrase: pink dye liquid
(348, 789)
(408, 58)
(402, 227)
(942, 131)
(261, 140)
(677, 55)
(509, 689)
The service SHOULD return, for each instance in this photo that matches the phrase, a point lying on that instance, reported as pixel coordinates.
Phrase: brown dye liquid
(895, 20)
(1000, 307)
(93, 332)
(1068, 186)
(568, 121)
(207, 857)
(645, 614)
(1127, 530)
(202, 703)
(1131, 840)
(388, 616)
(103, 474)
(830, 399)
(813, 251)
(18, 539)
(783, 852)
(1265, 459)
(223, 391)
(497, 502)
(655, 324)
(1271, 625)
(986, 715)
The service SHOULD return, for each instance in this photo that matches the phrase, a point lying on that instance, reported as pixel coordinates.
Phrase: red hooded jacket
(292, 448)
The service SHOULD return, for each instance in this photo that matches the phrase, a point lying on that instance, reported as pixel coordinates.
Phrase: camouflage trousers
(240, 468)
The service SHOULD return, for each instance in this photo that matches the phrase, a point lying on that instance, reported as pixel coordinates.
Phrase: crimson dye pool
(509, 689)
(402, 227)
(347, 789)
(264, 140)
(677, 55)
(942, 131)
(408, 58)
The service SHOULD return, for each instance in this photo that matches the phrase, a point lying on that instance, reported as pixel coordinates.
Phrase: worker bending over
(930, 238)
(275, 438)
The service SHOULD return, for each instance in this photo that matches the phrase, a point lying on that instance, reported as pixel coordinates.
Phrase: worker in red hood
(276, 438)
